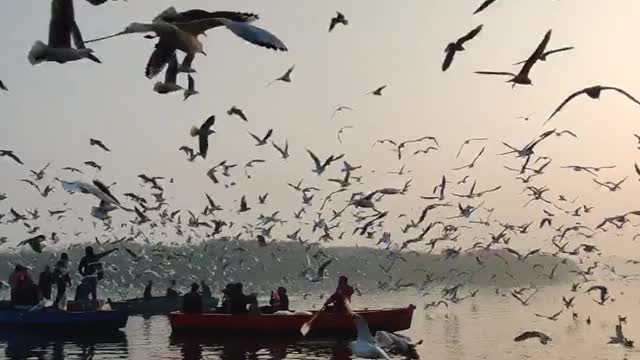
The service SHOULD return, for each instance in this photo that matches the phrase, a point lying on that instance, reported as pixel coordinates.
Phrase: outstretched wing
(565, 102)
(61, 23)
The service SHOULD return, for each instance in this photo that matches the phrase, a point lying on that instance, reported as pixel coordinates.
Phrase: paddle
(306, 327)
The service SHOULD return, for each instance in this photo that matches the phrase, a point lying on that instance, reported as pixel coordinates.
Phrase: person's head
(282, 291)
(173, 282)
(64, 256)
(194, 288)
(47, 269)
(150, 282)
(342, 280)
(89, 251)
(19, 268)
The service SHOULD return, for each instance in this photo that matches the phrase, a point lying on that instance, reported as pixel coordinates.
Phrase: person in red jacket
(338, 301)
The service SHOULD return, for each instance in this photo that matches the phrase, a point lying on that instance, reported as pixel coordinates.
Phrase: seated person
(235, 301)
(83, 291)
(279, 301)
(192, 301)
(171, 291)
(147, 291)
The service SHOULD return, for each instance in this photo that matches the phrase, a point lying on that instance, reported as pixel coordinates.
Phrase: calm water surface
(478, 328)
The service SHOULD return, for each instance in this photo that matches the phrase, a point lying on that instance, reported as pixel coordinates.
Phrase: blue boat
(59, 320)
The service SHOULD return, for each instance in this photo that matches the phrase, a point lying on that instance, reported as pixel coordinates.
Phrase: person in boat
(90, 268)
(45, 282)
(171, 290)
(235, 301)
(24, 291)
(62, 280)
(344, 291)
(206, 290)
(83, 291)
(279, 300)
(147, 291)
(192, 301)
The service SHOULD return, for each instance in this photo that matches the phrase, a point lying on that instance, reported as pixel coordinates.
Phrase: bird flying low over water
(592, 92)
(454, 47)
(62, 30)
(522, 78)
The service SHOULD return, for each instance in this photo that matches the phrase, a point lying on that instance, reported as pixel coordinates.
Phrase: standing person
(171, 290)
(45, 282)
(62, 279)
(91, 269)
(17, 281)
(342, 295)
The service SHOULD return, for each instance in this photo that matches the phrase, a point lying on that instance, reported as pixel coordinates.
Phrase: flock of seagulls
(346, 204)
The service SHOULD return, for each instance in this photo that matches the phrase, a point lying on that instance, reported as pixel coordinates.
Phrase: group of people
(25, 293)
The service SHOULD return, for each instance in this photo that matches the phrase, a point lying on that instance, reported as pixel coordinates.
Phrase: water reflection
(23, 345)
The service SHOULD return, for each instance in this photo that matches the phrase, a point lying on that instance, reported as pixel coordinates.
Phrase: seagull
(378, 91)
(473, 163)
(365, 344)
(191, 88)
(544, 55)
(170, 79)
(525, 118)
(522, 78)
(264, 140)
(39, 175)
(184, 36)
(35, 243)
(544, 339)
(284, 78)
(12, 155)
(203, 135)
(100, 144)
(339, 109)
(284, 151)
(243, 204)
(454, 47)
(603, 293)
(483, 6)
(93, 164)
(321, 167)
(341, 131)
(467, 142)
(592, 92)
(338, 19)
(238, 112)
(62, 30)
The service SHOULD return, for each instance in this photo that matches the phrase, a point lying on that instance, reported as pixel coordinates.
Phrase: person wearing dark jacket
(90, 268)
(192, 301)
(62, 279)
(45, 283)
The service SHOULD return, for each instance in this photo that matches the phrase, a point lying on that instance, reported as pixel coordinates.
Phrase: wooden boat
(327, 324)
(58, 320)
(156, 306)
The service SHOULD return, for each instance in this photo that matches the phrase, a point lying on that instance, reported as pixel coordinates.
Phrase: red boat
(334, 324)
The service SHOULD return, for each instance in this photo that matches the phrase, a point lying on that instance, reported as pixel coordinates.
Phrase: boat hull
(58, 320)
(155, 306)
(327, 324)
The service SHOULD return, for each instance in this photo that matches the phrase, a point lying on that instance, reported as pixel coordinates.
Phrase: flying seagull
(191, 89)
(284, 78)
(237, 111)
(339, 109)
(338, 19)
(12, 155)
(184, 36)
(100, 144)
(592, 92)
(170, 83)
(284, 151)
(35, 243)
(203, 133)
(522, 78)
(483, 6)
(62, 30)
(378, 91)
(544, 339)
(264, 140)
(453, 47)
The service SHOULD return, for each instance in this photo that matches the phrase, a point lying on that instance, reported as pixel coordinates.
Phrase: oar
(306, 327)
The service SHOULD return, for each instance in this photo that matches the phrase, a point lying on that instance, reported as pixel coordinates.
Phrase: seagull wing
(268, 135)
(315, 159)
(61, 23)
(622, 92)
(448, 59)
(160, 57)
(565, 102)
(473, 33)
(526, 68)
(192, 83)
(102, 187)
(483, 6)
(559, 50)
(254, 35)
(171, 75)
(495, 73)
(364, 334)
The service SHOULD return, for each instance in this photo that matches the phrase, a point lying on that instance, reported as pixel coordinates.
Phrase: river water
(482, 327)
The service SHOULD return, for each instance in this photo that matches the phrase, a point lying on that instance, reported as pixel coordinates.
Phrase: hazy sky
(52, 110)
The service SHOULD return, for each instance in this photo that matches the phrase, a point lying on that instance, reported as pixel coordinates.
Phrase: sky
(52, 110)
